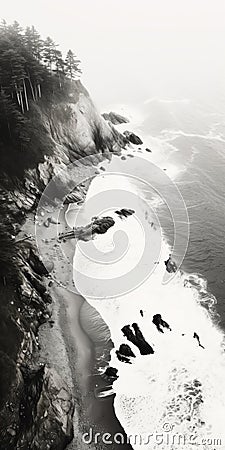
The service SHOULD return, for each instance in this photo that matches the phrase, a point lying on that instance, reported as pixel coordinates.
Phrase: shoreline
(97, 414)
(66, 346)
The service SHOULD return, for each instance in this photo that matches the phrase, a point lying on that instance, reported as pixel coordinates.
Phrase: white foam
(182, 383)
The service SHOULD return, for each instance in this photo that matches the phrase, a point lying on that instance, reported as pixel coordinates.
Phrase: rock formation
(170, 265)
(133, 138)
(114, 118)
(122, 358)
(111, 372)
(69, 128)
(196, 336)
(125, 212)
(87, 232)
(137, 338)
(160, 323)
(126, 350)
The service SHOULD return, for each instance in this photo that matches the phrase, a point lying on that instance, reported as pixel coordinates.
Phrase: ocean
(174, 398)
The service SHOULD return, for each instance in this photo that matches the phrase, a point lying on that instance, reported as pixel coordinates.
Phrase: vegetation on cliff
(32, 70)
(47, 122)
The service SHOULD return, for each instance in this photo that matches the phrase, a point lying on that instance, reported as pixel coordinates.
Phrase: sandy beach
(65, 345)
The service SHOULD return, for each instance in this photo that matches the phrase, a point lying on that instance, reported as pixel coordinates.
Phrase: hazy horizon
(134, 50)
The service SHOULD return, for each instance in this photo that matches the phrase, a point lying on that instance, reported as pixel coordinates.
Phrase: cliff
(36, 406)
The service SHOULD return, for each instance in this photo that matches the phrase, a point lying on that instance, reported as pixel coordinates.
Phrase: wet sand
(97, 413)
(66, 346)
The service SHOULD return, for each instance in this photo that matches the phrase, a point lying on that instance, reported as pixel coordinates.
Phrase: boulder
(87, 232)
(170, 265)
(36, 263)
(111, 372)
(125, 212)
(114, 118)
(137, 338)
(73, 197)
(133, 138)
(122, 358)
(126, 350)
(160, 323)
(144, 347)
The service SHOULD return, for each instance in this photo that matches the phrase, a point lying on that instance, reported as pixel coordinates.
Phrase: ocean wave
(182, 384)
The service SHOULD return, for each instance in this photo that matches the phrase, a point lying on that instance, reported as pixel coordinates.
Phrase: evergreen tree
(59, 66)
(49, 48)
(33, 42)
(3, 25)
(72, 65)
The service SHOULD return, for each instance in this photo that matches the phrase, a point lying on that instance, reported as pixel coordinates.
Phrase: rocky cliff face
(36, 408)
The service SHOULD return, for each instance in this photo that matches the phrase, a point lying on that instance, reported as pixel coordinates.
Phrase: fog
(133, 50)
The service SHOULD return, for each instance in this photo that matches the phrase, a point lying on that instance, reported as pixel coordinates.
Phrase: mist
(133, 50)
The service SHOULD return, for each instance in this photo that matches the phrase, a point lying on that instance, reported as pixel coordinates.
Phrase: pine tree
(49, 48)
(33, 42)
(59, 66)
(3, 25)
(71, 64)
(17, 73)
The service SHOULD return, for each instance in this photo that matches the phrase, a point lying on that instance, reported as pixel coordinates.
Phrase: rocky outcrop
(88, 232)
(125, 353)
(126, 350)
(36, 412)
(111, 373)
(122, 358)
(137, 338)
(37, 408)
(170, 265)
(196, 336)
(133, 138)
(160, 323)
(44, 413)
(114, 118)
(125, 212)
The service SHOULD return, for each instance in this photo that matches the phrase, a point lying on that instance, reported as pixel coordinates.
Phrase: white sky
(135, 49)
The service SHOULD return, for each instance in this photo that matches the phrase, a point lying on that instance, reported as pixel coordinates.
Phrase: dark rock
(126, 330)
(160, 323)
(126, 350)
(47, 297)
(122, 358)
(148, 150)
(125, 212)
(40, 287)
(47, 223)
(86, 233)
(36, 264)
(46, 410)
(115, 118)
(111, 372)
(196, 336)
(73, 197)
(137, 339)
(144, 347)
(170, 265)
(133, 138)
